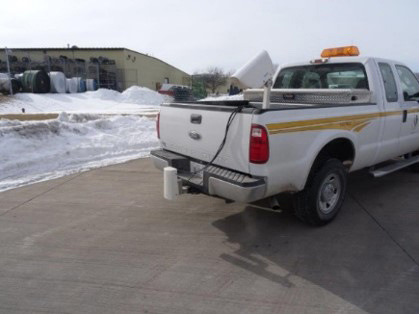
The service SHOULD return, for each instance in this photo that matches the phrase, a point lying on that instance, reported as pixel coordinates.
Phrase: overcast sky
(195, 34)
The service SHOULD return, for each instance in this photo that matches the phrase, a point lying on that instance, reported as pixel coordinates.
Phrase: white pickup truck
(324, 118)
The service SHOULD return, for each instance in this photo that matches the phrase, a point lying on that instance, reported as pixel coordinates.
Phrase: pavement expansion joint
(41, 194)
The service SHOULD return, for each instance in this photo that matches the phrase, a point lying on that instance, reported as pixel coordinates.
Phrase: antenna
(256, 73)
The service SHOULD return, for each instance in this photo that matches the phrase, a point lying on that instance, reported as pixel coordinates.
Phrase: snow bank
(147, 96)
(133, 100)
(133, 95)
(37, 151)
(104, 94)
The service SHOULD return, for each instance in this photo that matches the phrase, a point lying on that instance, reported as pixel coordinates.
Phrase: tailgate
(197, 131)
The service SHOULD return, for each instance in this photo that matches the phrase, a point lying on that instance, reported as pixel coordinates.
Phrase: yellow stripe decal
(413, 110)
(360, 127)
(354, 123)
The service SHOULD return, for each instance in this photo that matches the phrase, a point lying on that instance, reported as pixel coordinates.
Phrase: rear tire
(323, 196)
(415, 167)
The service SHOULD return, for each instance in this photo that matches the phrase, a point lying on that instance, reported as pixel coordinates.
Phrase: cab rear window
(338, 75)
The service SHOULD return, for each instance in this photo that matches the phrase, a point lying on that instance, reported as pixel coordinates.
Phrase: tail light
(158, 125)
(259, 145)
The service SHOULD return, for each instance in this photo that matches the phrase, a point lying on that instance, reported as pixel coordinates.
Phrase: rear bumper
(214, 180)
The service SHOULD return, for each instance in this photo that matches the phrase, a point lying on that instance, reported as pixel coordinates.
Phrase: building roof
(95, 49)
(70, 48)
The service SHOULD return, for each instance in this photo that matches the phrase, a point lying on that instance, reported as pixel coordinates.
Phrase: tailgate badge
(194, 135)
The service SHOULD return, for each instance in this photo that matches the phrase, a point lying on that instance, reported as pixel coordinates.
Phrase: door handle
(196, 118)
(404, 116)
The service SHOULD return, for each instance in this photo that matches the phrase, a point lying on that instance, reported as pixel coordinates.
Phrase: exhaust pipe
(274, 204)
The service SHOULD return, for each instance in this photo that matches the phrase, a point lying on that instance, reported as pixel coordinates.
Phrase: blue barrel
(81, 84)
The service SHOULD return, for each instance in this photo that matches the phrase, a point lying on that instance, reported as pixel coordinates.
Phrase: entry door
(391, 117)
(409, 132)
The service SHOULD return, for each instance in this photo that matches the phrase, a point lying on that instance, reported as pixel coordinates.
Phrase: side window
(284, 80)
(389, 82)
(410, 84)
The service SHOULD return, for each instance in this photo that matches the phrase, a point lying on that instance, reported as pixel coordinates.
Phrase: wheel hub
(329, 193)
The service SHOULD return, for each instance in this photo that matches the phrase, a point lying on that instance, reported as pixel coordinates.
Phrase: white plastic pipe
(267, 95)
(171, 187)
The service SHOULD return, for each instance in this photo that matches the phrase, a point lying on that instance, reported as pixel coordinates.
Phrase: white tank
(58, 82)
(81, 84)
(91, 85)
(71, 85)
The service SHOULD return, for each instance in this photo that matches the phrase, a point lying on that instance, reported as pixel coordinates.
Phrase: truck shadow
(255, 231)
(353, 257)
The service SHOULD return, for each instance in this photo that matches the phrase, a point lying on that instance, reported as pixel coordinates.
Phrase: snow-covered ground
(93, 129)
(133, 100)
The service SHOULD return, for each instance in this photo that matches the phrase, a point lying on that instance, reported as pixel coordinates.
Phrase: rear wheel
(323, 196)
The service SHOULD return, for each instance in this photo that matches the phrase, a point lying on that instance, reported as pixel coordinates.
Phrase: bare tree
(214, 77)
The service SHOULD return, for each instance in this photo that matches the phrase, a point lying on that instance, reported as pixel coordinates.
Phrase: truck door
(391, 116)
(409, 131)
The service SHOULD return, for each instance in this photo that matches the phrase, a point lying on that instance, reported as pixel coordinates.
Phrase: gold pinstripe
(360, 127)
(355, 123)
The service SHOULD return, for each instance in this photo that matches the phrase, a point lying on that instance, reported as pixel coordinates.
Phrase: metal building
(114, 68)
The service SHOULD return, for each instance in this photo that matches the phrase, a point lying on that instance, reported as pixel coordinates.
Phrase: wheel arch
(341, 148)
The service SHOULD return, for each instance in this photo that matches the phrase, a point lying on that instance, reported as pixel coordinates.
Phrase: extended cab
(326, 118)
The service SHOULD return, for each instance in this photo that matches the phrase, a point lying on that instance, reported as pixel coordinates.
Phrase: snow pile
(104, 94)
(223, 97)
(133, 95)
(147, 96)
(133, 100)
(37, 151)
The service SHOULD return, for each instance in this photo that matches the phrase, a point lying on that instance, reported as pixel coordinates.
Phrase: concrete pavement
(105, 241)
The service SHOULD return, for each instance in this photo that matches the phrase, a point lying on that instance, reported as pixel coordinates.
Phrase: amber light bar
(347, 51)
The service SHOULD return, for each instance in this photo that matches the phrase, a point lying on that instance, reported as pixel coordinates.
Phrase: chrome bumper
(214, 180)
